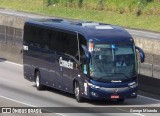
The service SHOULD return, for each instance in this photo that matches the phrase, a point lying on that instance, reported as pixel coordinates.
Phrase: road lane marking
(11, 62)
(143, 32)
(27, 104)
(20, 15)
(60, 114)
(149, 98)
(138, 114)
(148, 36)
(17, 101)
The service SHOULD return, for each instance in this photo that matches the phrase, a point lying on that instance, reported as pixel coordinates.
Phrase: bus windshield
(113, 62)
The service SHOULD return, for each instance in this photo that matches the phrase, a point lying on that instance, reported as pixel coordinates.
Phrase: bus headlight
(92, 85)
(133, 85)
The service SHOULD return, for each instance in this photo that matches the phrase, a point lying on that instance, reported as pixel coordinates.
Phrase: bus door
(69, 72)
(69, 61)
(50, 69)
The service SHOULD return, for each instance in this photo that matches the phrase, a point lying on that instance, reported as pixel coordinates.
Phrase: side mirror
(142, 55)
(87, 54)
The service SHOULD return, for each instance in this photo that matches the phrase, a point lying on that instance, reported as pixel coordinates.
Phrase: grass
(150, 20)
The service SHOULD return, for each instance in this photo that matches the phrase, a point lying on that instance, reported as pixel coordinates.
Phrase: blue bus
(88, 59)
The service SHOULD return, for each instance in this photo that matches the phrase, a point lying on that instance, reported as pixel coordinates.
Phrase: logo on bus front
(66, 64)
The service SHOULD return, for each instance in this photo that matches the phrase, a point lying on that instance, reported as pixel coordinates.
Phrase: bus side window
(30, 34)
(55, 41)
(37, 36)
(72, 48)
(46, 39)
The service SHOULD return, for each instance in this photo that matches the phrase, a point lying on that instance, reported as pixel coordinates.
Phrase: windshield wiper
(122, 74)
(111, 74)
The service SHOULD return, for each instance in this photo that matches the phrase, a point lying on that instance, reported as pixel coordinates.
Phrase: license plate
(114, 96)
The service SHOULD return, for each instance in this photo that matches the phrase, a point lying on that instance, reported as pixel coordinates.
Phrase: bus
(88, 59)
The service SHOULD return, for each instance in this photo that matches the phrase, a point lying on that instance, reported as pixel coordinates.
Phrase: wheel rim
(37, 81)
(77, 91)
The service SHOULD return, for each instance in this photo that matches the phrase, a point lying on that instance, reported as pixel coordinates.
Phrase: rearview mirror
(142, 55)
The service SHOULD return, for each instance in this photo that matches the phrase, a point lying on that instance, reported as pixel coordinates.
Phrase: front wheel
(38, 82)
(77, 92)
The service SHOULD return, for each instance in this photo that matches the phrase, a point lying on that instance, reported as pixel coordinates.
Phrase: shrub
(101, 5)
(80, 3)
(50, 2)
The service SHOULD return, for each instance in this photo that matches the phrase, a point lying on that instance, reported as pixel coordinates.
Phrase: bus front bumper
(112, 93)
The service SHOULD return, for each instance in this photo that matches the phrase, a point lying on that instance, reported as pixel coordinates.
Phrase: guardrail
(11, 36)
(151, 66)
(11, 40)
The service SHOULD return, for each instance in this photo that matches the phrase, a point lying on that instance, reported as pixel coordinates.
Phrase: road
(144, 34)
(135, 33)
(16, 91)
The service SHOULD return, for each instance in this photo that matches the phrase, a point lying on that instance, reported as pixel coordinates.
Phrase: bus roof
(90, 30)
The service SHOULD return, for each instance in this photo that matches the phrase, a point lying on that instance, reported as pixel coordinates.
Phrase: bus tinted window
(67, 40)
(55, 40)
(46, 39)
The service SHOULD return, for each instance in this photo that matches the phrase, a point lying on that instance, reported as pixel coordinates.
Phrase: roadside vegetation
(141, 14)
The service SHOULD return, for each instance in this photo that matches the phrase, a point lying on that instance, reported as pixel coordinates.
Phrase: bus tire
(77, 92)
(39, 86)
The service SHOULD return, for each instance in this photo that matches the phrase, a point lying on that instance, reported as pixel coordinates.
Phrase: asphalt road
(16, 91)
(144, 34)
(135, 33)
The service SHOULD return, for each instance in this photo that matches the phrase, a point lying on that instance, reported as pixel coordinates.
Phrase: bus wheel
(120, 100)
(77, 92)
(38, 82)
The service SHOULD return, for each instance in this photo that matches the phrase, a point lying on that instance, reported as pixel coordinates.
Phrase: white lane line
(144, 35)
(60, 114)
(26, 104)
(138, 114)
(26, 15)
(13, 63)
(8, 13)
(149, 98)
(17, 101)
(144, 32)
